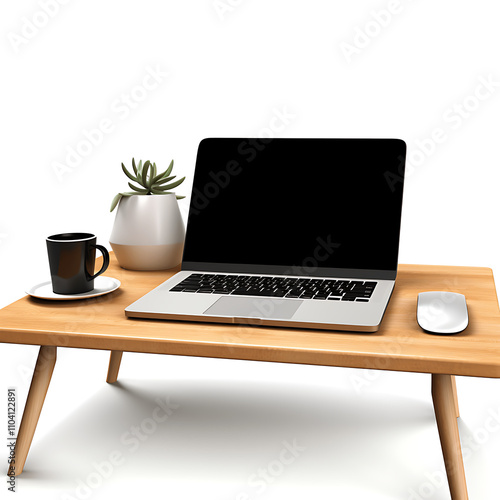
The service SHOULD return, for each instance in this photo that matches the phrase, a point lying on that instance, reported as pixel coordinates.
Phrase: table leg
(446, 416)
(114, 366)
(455, 397)
(36, 396)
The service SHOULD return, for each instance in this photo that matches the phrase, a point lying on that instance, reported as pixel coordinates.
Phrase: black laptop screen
(296, 206)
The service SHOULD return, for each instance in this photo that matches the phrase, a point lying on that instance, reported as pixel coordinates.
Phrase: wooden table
(400, 344)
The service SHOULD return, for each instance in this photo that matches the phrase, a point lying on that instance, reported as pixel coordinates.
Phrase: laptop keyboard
(267, 286)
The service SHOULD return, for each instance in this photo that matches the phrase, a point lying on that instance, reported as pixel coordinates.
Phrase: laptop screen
(311, 207)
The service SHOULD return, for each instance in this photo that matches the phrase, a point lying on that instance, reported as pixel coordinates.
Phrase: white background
(228, 68)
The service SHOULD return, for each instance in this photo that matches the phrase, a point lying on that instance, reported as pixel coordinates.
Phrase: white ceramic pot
(148, 233)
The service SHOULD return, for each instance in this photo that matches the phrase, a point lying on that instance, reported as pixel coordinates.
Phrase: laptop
(288, 232)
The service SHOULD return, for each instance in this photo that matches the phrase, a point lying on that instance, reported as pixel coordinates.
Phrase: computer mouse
(443, 313)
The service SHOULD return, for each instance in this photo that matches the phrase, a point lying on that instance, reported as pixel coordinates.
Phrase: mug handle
(105, 264)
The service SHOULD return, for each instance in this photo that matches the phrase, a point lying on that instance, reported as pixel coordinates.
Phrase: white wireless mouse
(442, 312)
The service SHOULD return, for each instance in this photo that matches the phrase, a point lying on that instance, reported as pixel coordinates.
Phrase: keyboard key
(257, 292)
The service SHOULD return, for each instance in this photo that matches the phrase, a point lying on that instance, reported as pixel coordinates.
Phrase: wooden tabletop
(400, 344)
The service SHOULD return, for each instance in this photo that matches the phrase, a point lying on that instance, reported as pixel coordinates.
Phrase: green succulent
(149, 181)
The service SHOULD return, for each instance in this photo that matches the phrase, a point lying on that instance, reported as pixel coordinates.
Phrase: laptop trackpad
(245, 307)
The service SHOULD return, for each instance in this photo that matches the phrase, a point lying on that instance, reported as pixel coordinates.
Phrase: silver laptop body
(288, 232)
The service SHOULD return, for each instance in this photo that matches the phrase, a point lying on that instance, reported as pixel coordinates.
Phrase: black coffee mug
(72, 261)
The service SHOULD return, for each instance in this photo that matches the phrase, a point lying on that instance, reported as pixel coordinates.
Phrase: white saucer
(102, 286)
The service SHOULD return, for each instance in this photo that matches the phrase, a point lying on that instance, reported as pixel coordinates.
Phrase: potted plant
(148, 232)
